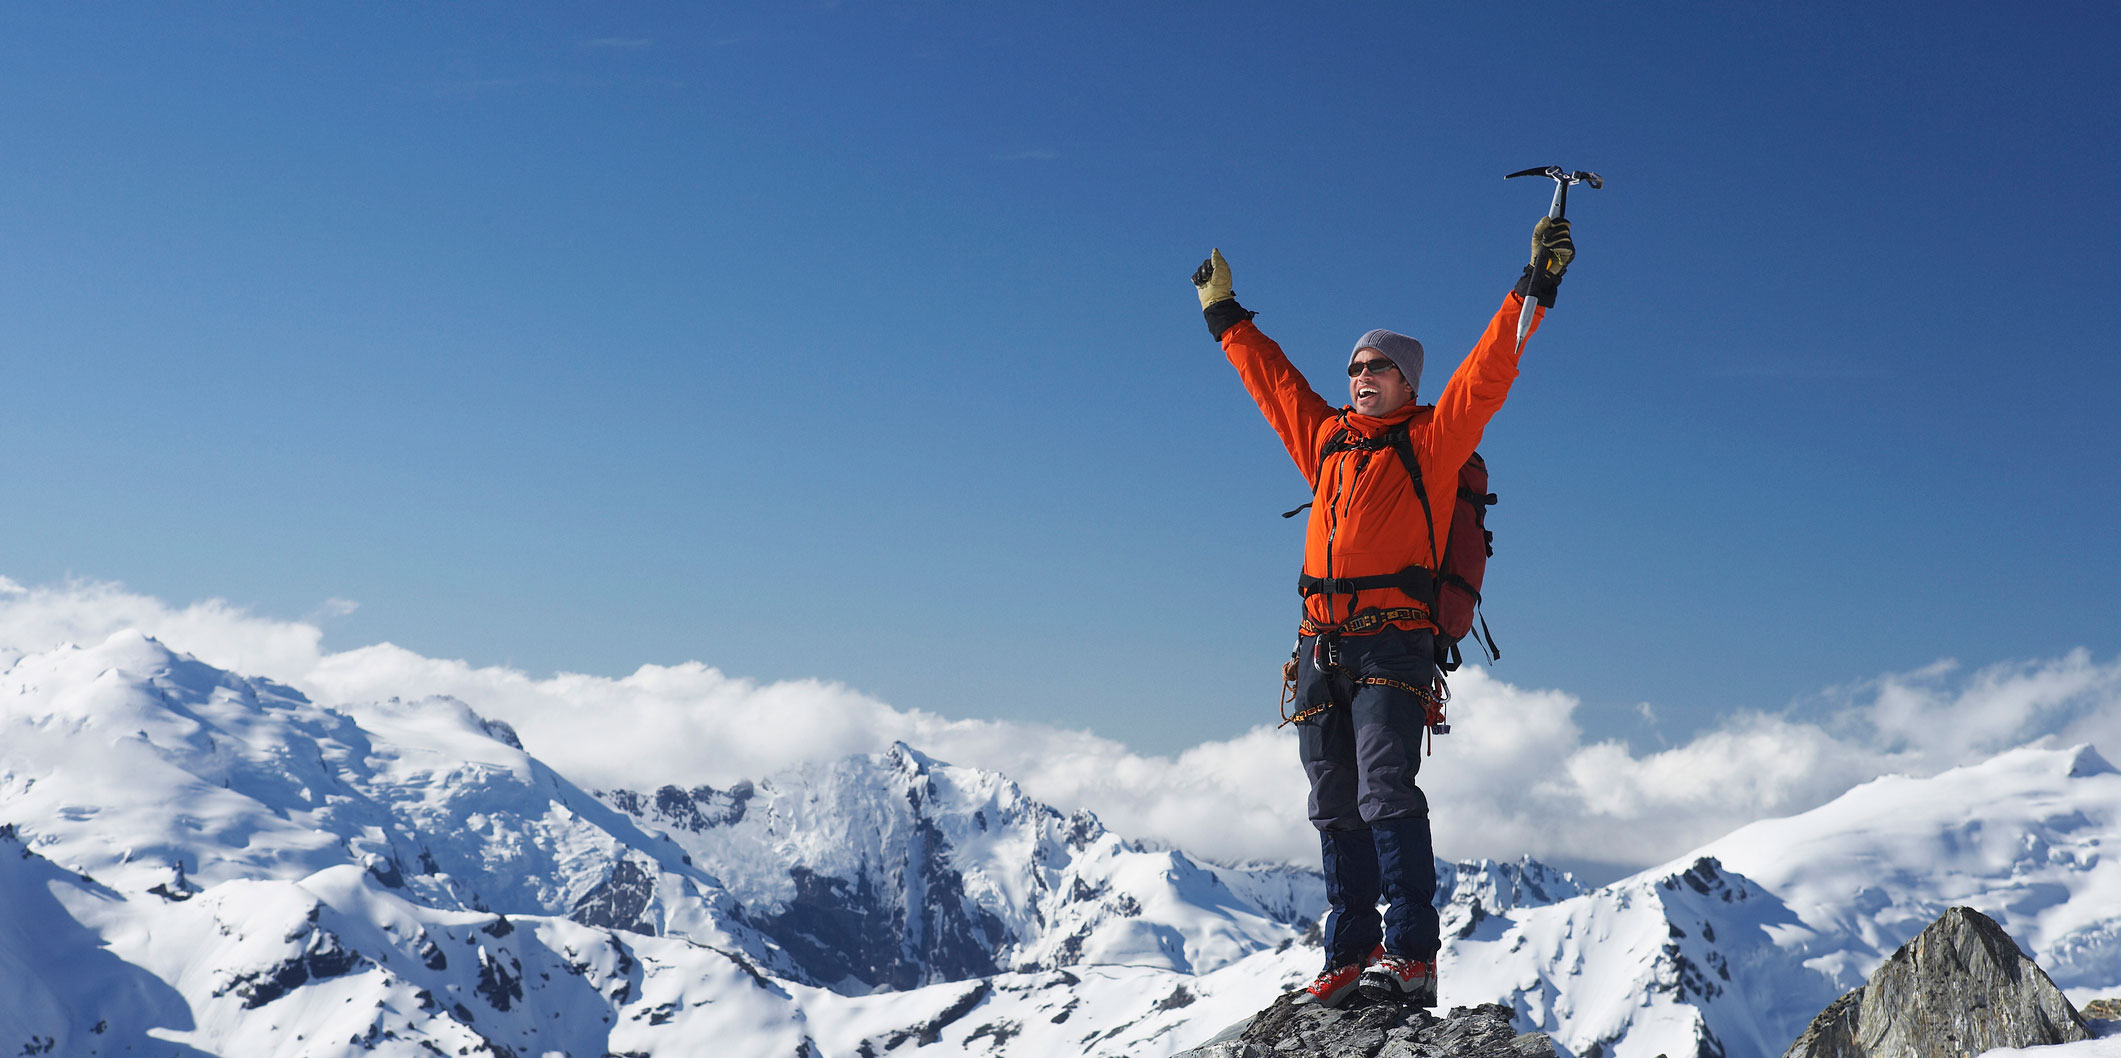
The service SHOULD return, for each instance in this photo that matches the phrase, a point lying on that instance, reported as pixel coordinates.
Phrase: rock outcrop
(1286, 1030)
(2103, 1009)
(1959, 988)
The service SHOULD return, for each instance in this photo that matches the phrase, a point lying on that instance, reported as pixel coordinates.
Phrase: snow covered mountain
(1733, 948)
(196, 862)
(898, 871)
(211, 860)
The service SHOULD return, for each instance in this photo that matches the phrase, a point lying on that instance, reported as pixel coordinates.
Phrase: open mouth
(1365, 392)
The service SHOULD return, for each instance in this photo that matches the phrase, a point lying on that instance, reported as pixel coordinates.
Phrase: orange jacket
(1365, 518)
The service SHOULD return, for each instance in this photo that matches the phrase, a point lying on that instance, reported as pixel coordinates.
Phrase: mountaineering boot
(1391, 979)
(1333, 987)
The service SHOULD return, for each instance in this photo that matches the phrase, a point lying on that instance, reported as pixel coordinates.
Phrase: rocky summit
(1961, 987)
(1288, 1029)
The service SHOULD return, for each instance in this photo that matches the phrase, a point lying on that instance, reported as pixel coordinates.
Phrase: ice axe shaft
(1562, 179)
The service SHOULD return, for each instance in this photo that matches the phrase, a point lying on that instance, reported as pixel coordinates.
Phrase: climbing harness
(1325, 658)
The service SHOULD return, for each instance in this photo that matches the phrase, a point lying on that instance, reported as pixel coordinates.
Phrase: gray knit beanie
(1398, 348)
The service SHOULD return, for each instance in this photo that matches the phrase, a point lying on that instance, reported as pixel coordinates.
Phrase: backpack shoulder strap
(1404, 445)
(1336, 441)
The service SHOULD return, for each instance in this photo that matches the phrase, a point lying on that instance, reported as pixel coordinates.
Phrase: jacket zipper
(1334, 512)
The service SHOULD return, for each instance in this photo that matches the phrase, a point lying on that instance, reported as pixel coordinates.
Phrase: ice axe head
(1562, 179)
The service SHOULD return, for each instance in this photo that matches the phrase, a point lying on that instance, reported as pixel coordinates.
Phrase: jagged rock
(322, 957)
(622, 901)
(2103, 1009)
(1833, 1033)
(1287, 1030)
(1959, 988)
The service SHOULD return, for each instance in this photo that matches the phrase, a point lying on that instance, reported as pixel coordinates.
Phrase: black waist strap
(1463, 585)
(1416, 581)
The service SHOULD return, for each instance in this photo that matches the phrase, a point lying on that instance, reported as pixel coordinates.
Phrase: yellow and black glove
(1552, 250)
(1217, 304)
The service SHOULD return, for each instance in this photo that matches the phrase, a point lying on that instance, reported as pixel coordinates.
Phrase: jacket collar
(1374, 425)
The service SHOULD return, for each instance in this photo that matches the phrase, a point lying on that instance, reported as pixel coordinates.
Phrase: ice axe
(1562, 179)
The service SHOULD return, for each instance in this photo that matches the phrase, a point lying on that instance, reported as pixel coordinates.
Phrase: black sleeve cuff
(1538, 285)
(1224, 315)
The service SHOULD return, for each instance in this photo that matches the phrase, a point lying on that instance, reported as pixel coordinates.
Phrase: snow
(1744, 940)
(2106, 1043)
(2019, 838)
(194, 861)
(1030, 888)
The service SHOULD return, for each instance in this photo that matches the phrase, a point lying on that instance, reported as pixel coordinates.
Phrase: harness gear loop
(1325, 657)
(1439, 694)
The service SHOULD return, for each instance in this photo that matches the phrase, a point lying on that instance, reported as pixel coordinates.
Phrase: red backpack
(1465, 563)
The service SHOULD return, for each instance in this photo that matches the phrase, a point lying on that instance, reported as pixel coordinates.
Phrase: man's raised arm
(1290, 405)
(1476, 390)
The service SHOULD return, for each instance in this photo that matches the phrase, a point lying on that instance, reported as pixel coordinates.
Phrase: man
(1366, 656)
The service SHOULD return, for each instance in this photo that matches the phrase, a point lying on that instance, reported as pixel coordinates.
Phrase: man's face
(1380, 388)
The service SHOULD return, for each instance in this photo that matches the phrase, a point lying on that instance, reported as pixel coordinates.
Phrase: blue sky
(854, 341)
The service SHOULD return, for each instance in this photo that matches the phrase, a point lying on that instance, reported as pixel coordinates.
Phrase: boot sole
(1341, 998)
(1381, 988)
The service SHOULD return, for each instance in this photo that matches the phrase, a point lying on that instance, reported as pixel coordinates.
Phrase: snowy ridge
(2020, 838)
(195, 859)
(143, 767)
(897, 870)
(184, 847)
(194, 862)
(1735, 947)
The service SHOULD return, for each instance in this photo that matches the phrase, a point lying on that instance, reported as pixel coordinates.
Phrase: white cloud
(39, 618)
(1516, 775)
(331, 609)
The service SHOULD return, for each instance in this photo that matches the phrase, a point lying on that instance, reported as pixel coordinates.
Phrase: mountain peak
(1961, 986)
(902, 757)
(2085, 762)
(132, 650)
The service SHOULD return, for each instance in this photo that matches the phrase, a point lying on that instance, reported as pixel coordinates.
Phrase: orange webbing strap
(1365, 621)
(1288, 698)
(1432, 697)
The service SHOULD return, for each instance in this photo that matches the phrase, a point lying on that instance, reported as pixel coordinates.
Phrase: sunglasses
(1376, 367)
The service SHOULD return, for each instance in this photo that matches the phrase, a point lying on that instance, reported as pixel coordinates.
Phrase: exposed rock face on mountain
(1469, 894)
(1287, 1030)
(1961, 987)
(1733, 949)
(898, 871)
(901, 871)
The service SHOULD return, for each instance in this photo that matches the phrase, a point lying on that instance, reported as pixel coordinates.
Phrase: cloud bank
(1517, 775)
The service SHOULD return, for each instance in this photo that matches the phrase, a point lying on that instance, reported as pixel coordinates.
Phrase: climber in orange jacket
(1366, 655)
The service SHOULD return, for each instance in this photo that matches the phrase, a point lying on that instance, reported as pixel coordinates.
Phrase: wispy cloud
(478, 86)
(1517, 775)
(330, 610)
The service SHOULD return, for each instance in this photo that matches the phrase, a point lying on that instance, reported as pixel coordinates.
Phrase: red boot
(1333, 987)
(1396, 980)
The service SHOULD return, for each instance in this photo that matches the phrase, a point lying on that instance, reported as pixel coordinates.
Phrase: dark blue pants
(1361, 755)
